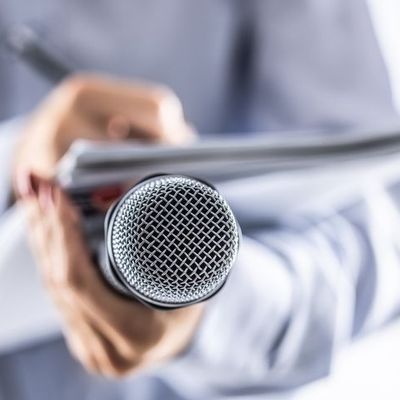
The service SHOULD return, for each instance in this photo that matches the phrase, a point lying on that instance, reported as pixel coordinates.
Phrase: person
(301, 287)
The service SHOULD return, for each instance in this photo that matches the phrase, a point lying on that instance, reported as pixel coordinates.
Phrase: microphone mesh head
(173, 240)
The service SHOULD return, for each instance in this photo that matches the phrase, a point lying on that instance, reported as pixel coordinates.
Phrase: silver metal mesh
(174, 240)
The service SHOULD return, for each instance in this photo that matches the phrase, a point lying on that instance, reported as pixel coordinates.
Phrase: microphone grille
(173, 240)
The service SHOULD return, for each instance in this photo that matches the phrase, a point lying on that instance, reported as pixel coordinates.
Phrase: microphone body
(170, 242)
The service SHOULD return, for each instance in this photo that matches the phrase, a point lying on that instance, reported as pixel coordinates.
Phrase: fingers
(98, 108)
(109, 334)
(83, 345)
(72, 279)
(92, 348)
(51, 218)
(80, 279)
(127, 109)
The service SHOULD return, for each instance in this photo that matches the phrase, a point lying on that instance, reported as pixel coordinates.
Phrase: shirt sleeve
(298, 293)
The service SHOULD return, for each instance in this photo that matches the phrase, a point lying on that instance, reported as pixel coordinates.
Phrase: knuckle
(82, 355)
(74, 88)
(90, 364)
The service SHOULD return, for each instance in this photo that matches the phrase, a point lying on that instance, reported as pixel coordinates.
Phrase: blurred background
(384, 14)
(368, 368)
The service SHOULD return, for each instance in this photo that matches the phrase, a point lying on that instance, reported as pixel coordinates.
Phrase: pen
(24, 42)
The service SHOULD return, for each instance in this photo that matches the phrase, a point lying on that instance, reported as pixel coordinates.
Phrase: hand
(108, 334)
(93, 107)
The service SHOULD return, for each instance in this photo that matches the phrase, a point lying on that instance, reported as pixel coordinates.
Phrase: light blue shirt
(303, 286)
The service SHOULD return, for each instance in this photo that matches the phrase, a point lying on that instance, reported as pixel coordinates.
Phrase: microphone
(170, 242)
